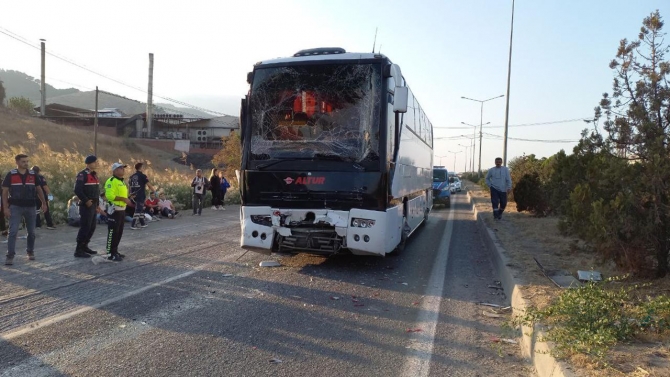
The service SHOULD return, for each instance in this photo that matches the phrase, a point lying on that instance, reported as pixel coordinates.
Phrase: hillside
(15, 130)
(18, 84)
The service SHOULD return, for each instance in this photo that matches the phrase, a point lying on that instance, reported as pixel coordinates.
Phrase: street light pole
(454, 155)
(441, 157)
(474, 138)
(465, 162)
(509, 74)
(481, 120)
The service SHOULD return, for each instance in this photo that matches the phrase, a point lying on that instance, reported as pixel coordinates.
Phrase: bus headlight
(362, 223)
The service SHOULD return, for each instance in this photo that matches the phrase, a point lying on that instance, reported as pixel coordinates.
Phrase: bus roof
(323, 57)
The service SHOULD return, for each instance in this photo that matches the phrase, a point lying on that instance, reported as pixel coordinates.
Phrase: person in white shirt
(500, 182)
(200, 185)
(166, 207)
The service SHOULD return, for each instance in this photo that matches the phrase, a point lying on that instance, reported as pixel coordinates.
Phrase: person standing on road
(500, 182)
(138, 184)
(19, 192)
(87, 189)
(199, 185)
(47, 194)
(116, 193)
(215, 187)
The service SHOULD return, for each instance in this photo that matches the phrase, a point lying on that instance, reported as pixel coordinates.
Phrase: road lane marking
(30, 327)
(420, 350)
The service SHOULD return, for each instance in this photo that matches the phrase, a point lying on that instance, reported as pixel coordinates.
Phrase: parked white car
(454, 184)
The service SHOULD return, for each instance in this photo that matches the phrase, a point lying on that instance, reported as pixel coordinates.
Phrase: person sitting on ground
(166, 207)
(151, 206)
(73, 217)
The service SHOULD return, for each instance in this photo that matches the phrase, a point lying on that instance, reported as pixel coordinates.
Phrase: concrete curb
(532, 349)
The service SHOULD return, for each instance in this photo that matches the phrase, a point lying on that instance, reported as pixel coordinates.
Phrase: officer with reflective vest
(116, 193)
(87, 189)
(20, 190)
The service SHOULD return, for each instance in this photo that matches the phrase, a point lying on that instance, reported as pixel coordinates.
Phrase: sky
(446, 50)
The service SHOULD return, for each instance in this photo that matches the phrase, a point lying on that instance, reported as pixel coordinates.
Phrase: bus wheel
(403, 239)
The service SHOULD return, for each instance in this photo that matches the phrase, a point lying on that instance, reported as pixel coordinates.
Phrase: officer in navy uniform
(20, 190)
(87, 189)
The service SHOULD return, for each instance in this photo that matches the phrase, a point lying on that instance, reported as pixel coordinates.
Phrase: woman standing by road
(215, 187)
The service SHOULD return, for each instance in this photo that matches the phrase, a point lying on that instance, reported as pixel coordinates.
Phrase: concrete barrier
(537, 352)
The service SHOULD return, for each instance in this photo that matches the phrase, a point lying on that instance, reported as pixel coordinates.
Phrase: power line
(518, 125)
(499, 137)
(69, 61)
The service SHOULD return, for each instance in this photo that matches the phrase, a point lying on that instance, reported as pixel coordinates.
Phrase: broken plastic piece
(275, 361)
(589, 275)
(269, 263)
(413, 330)
(491, 315)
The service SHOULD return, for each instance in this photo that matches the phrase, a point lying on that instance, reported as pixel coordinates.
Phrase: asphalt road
(187, 301)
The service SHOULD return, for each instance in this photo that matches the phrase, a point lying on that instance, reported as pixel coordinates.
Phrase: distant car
(441, 187)
(454, 184)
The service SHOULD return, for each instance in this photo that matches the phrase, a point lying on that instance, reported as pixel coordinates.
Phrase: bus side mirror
(400, 99)
(250, 77)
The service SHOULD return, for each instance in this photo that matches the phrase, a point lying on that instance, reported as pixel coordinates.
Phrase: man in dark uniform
(19, 192)
(87, 189)
(138, 184)
(47, 194)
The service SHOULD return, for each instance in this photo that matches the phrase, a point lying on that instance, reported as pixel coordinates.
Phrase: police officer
(116, 193)
(87, 189)
(19, 192)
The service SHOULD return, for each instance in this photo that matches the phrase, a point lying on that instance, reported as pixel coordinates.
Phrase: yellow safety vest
(116, 187)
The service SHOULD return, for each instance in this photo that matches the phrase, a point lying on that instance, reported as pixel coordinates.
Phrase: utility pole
(481, 120)
(43, 86)
(95, 125)
(509, 74)
(474, 138)
(150, 107)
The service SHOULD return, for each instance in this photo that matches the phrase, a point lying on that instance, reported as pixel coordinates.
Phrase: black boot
(88, 250)
(80, 251)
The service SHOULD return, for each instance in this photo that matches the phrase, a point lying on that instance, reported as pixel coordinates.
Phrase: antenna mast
(375, 41)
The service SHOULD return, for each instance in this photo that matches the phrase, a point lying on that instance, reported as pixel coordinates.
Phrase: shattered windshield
(316, 111)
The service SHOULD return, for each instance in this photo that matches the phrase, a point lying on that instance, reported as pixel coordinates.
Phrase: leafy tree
(21, 105)
(230, 156)
(635, 119)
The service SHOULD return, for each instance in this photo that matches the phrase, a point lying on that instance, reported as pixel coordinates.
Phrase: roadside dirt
(526, 238)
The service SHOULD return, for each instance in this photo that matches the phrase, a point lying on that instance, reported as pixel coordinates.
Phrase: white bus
(337, 155)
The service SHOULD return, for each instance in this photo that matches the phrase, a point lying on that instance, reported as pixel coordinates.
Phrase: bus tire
(403, 240)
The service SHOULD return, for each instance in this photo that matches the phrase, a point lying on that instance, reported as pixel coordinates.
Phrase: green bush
(529, 195)
(591, 319)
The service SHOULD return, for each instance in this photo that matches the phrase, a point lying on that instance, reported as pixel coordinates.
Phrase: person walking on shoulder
(500, 182)
(116, 193)
(87, 189)
(19, 192)
(199, 185)
(138, 185)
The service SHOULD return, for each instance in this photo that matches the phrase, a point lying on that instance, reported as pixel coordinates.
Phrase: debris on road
(269, 263)
(226, 275)
(491, 315)
(415, 303)
(495, 287)
(491, 305)
(97, 260)
(334, 298)
(413, 330)
(560, 278)
(275, 361)
(404, 283)
(508, 341)
(589, 275)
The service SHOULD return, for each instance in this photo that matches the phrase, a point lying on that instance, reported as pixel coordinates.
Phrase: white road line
(420, 350)
(61, 317)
